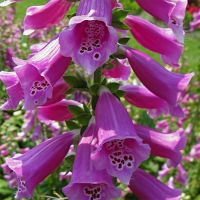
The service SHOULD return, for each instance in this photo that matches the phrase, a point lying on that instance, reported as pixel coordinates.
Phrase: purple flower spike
(13, 88)
(87, 183)
(145, 186)
(141, 97)
(164, 145)
(89, 40)
(119, 148)
(35, 165)
(163, 83)
(38, 17)
(159, 40)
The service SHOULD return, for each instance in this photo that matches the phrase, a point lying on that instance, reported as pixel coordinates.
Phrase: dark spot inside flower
(125, 157)
(129, 164)
(130, 158)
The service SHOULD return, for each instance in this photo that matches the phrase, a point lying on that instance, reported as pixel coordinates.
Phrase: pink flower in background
(90, 39)
(8, 2)
(196, 21)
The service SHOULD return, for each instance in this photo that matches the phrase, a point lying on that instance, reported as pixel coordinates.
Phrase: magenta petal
(89, 41)
(38, 17)
(13, 89)
(49, 62)
(141, 97)
(58, 111)
(119, 71)
(101, 8)
(36, 89)
(163, 145)
(118, 146)
(35, 165)
(84, 176)
(163, 83)
(145, 186)
(159, 40)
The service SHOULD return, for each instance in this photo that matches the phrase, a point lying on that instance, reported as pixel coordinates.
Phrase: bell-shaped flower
(38, 17)
(163, 83)
(35, 165)
(163, 145)
(146, 186)
(119, 70)
(49, 61)
(13, 89)
(156, 39)
(119, 148)
(58, 111)
(195, 23)
(90, 39)
(141, 97)
(170, 11)
(87, 183)
(182, 176)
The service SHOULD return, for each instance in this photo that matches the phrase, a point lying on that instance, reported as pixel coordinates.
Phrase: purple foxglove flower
(29, 119)
(159, 40)
(163, 145)
(8, 2)
(182, 175)
(146, 186)
(170, 11)
(90, 39)
(164, 171)
(163, 83)
(36, 88)
(119, 148)
(58, 111)
(38, 17)
(9, 58)
(87, 183)
(196, 21)
(195, 152)
(49, 62)
(35, 165)
(141, 97)
(119, 71)
(36, 133)
(13, 88)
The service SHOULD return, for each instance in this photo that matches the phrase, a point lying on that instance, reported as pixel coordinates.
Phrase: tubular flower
(172, 12)
(154, 38)
(163, 83)
(38, 17)
(13, 88)
(35, 165)
(164, 145)
(90, 39)
(88, 183)
(120, 149)
(141, 97)
(154, 189)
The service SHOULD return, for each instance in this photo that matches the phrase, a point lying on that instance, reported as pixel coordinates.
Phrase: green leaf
(75, 82)
(76, 110)
(84, 119)
(123, 40)
(95, 89)
(72, 125)
(113, 86)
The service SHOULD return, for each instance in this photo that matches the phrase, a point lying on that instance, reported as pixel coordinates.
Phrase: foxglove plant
(112, 146)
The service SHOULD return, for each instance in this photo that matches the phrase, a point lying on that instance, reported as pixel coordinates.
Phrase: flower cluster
(111, 144)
